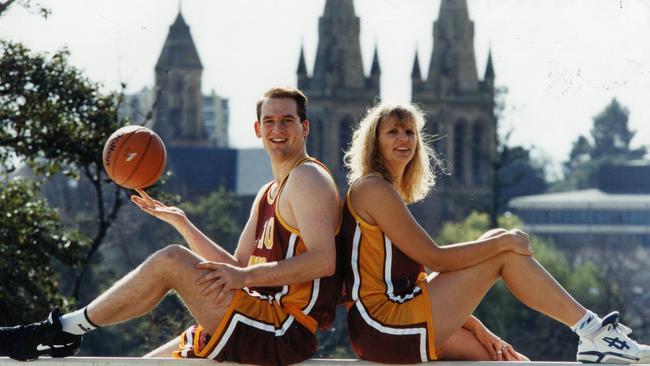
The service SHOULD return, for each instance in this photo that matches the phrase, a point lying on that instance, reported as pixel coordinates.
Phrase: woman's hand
(497, 348)
(517, 241)
(170, 214)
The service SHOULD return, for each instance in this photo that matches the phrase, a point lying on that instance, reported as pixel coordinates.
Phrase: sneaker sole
(606, 357)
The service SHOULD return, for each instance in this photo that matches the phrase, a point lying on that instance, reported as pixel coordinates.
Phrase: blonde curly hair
(363, 157)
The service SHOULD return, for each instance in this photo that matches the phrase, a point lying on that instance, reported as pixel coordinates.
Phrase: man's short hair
(286, 92)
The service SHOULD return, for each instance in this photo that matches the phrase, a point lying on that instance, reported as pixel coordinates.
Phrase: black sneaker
(28, 342)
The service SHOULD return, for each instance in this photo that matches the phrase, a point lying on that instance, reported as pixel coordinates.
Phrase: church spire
(489, 69)
(338, 64)
(452, 69)
(302, 67)
(416, 75)
(179, 101)
(336, 8)
(488, 77)
(179, 50)
(375, 69)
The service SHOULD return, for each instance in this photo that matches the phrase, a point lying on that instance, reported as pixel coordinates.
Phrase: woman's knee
(492, 233)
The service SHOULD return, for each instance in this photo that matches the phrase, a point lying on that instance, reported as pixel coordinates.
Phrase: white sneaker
(610, 344)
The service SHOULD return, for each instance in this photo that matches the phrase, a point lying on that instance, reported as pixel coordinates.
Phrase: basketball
(134, 157)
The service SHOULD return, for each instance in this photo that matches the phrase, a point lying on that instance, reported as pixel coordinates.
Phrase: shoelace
(622, 328)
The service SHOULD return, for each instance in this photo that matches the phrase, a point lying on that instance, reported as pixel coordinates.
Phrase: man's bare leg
(140, 291)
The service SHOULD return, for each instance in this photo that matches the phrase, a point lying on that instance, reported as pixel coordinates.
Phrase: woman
(398, 314)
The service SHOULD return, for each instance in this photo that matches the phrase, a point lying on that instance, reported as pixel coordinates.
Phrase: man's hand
(170, 214)
(221, 278)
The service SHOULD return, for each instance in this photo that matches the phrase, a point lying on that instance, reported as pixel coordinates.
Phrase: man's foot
(610, 344)
(28, 342)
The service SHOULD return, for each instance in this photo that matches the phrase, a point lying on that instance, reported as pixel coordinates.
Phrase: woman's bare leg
(463, 345)
(455, 295)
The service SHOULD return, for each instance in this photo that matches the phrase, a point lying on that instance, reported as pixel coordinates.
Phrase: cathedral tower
(179, 102)
(339, 91)
(460, 111)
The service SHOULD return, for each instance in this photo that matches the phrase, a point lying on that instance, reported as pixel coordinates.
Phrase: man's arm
(310, 203)
(195, 238)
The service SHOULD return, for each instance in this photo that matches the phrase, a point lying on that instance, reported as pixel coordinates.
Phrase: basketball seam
(117, 153)
(144, 153)
(158, 172)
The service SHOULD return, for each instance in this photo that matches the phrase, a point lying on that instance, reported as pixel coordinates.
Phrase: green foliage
(50, 114)
(610, 143)
(215, 216)
(32, 239)
(56, 120)
(533, 334)
(518, 175)
(29, 5)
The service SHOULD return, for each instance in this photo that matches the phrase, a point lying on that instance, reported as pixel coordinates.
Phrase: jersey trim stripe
(278, 332)
(253, 323)
(388, 262)
(422, 332)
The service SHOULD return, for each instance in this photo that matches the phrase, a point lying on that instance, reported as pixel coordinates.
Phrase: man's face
(280, 128)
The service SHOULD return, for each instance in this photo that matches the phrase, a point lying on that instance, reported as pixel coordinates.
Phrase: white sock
(77, 322)
(588, 324)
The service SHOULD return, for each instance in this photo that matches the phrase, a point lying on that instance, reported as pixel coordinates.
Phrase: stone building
(459, 110)
(459, 106)
(338, 89)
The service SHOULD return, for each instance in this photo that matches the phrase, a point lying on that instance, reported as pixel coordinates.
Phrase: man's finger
(207, 265)
(206, 277)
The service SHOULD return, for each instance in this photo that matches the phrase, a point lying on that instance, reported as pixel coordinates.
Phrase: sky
(562, 61)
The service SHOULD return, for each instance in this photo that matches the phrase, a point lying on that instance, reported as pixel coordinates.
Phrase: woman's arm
(377, 202)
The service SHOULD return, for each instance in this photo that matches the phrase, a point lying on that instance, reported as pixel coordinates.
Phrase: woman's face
(396, 141)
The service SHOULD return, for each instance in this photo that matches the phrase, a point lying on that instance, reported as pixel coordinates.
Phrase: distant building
(617, 212)
(194, 126)
(459, 106)
(460, 112)
(338, 89)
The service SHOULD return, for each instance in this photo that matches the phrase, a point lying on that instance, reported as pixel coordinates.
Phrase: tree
(54, 119)
(610, 143)
(514, 172)
(517, 175)
(531, 333)
(214, 215)
(27, 4)
(32, 241)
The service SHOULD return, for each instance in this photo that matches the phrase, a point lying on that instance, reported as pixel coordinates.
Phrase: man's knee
(171, 256)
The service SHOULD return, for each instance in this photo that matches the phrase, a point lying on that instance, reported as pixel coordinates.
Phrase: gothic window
(478, 160)
(459, 148)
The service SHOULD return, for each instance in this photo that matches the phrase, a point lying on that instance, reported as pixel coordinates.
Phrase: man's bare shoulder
(311, 178)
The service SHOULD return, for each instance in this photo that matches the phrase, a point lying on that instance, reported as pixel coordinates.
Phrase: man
(260, 305)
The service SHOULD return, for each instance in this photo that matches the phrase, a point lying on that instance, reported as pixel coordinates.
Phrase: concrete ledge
(130, 361)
